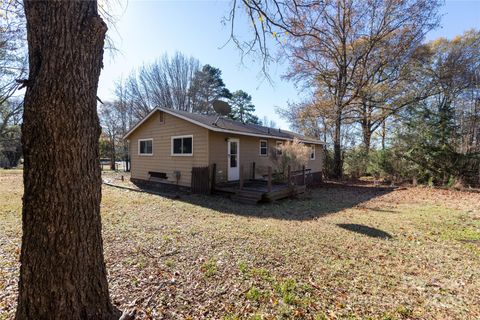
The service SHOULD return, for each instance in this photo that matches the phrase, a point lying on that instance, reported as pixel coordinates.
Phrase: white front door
(233, 159)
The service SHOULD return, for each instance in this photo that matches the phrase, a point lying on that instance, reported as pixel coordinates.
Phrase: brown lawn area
(342, 253)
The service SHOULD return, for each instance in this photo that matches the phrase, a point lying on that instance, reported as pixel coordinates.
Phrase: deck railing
(300, 177)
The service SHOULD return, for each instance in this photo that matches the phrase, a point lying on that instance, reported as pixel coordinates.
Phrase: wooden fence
(201, 180)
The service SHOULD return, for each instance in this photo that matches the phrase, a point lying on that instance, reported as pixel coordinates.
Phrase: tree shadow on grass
(365, 230)
(321, 201)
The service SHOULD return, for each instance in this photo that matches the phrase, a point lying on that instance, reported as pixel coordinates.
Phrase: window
(312, 152)
(279, 145)
(182, 146)
(263, 147)
(145, 147)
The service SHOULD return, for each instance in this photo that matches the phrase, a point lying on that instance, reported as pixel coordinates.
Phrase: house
(167, 144)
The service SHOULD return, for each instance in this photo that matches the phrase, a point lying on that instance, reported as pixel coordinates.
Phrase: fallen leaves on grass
(208, 258)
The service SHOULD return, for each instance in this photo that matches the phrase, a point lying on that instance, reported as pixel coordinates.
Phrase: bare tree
(13, 62)
(389, 89)
(111, 116)
(308, 118)
(354, 41)
(334, 45)
(126, 119)
(165, 82)
(10, 120)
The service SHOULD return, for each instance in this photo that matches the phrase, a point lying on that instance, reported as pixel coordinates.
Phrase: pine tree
(207, 86)
(242, 108)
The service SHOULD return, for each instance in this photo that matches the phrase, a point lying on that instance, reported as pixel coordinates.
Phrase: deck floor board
(254, 191)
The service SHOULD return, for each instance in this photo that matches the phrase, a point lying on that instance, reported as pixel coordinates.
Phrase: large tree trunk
(337, 151)
(62, 273)
(367, 136)
(113, 156)
(366, 124)
(384, 133)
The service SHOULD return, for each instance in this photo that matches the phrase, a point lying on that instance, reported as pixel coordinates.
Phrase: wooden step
(250, 192)
(244, 200)
(249, 195)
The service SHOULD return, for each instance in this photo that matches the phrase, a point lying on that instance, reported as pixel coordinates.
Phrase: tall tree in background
(354, 40)
(13, 66)
(333, 45)
(111, 119)
(62, 182)
(123, 106)
(388, 89)
(10, 122)
(165, 82)
(434, 128)
(207, 86)
(177, 83)
(266, 122)
(13, 60)
(305, 117)
(242, 108)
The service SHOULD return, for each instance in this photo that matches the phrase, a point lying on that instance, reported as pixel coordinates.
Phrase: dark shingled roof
(223, 124)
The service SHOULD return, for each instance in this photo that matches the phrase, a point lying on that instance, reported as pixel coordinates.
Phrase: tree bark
(367, 136)
(384, 133)
(113, 156)
(337, 149)
(62, 273)
(366, 124)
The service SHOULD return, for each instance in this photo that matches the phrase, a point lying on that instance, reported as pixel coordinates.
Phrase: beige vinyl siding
(317, 164)
(249, 153)
(162, 160)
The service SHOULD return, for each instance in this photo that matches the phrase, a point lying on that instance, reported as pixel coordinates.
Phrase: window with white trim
(263, 147)
(279, 145)
(312, 152)
(182, 145)
(145, 147)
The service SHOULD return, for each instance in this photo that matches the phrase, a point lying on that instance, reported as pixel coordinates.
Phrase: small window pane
(233, 161)
(183, 145)
(187, 145)
(148, 146)
(312, 152)
(177, 146)
(233, 148)
(263, 147)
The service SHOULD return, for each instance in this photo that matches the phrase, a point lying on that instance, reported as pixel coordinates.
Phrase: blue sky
(147, 29)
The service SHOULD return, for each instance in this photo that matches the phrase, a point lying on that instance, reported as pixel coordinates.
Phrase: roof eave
(139, 123)
(212, 128)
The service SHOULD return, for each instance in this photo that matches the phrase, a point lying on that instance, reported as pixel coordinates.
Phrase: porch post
(269, 179)
(241, 176)
(303, 173)
(212, 181)
(289, 174)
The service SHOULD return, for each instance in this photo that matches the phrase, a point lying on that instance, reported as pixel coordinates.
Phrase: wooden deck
(254, 191)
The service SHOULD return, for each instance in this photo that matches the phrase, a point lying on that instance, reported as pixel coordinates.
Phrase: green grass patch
(209, 268)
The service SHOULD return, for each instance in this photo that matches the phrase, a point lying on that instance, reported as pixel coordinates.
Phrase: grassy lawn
(340, 253)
